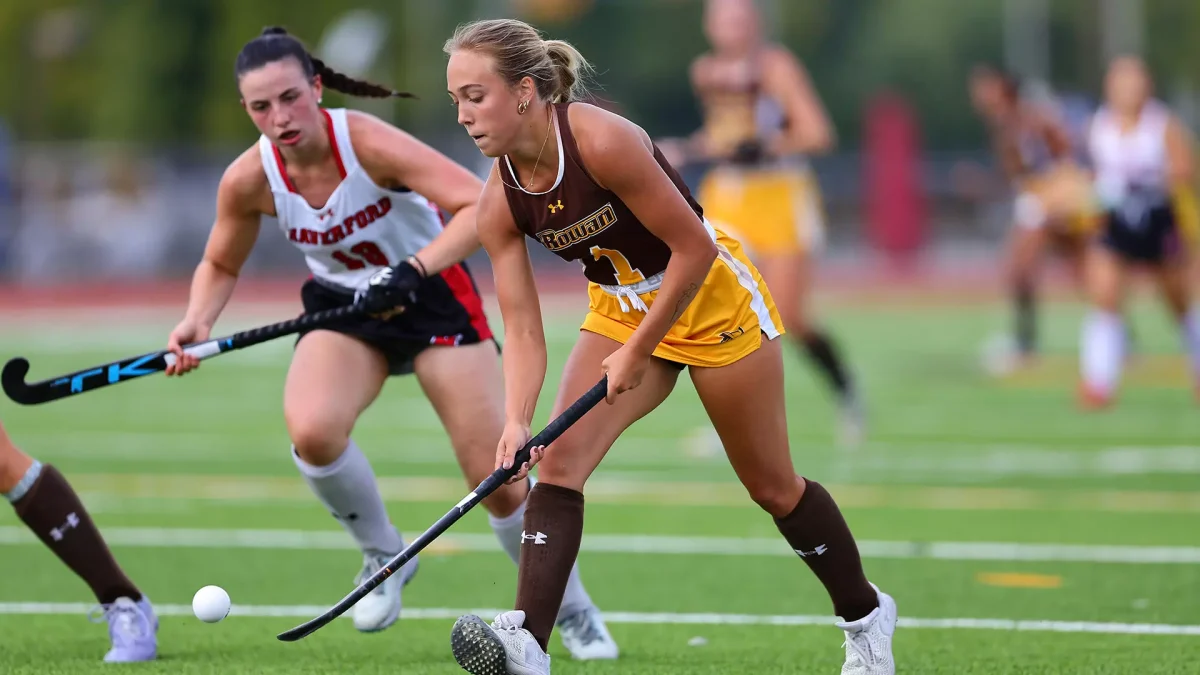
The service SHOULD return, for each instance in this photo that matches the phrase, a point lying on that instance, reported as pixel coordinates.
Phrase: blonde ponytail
(570, 71)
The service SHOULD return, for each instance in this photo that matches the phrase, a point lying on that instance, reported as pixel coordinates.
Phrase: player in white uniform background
(360, 199)
(1141, 154)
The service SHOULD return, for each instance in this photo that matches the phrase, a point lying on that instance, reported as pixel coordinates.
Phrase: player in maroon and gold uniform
(667, 291)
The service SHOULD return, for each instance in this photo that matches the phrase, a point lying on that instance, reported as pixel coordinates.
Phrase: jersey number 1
(365, 250)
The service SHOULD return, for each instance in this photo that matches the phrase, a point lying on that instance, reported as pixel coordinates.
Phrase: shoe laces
(581, 624)
(505, 623)
(860, 643)
(126, 622)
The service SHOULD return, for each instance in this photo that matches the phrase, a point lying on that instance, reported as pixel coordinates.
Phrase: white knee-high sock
(1191, 340)
(347, 488)
(509, 530)
(1102, 351)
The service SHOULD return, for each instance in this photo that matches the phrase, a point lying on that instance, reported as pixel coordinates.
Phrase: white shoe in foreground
(869, 640)
(586, 637)
(381, 607)
(503, 648)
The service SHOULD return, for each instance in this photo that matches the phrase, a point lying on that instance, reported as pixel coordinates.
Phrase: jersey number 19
(364, 250)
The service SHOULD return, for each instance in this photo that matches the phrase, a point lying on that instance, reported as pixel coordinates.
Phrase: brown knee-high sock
(53, 511)
(816, 531)
(549, 546)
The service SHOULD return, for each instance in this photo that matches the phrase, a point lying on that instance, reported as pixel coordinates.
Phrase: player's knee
(1106, 297)
(777, 497)
(505, 501)
(556, 467)
(317, 442)
(476, 453)
(13, 466)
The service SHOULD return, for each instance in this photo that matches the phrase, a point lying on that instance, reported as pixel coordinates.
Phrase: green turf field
(1017, 534)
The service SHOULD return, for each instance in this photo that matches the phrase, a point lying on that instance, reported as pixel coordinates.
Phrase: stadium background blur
(985, 505)
(116, 119)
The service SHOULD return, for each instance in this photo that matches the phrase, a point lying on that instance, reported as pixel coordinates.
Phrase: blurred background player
(1033, 147)
(761, 117)
(45, 501)
(666, 291)
(358, 196)
(1142, 156)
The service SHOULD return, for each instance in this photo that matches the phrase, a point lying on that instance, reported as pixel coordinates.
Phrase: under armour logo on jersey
(538, 538)
(327, 213)
(59, 532)
(555, 207)
(817, 551)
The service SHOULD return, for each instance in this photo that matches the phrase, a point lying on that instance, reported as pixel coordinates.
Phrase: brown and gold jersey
(579, 220)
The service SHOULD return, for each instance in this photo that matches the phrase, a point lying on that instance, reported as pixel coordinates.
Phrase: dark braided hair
(275, 44)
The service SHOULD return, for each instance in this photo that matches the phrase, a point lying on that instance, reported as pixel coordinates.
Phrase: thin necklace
(532, 174)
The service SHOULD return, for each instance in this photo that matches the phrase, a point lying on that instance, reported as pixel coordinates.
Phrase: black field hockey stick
(499, 477)
(97, 377)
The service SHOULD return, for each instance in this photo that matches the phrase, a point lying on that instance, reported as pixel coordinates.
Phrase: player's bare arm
(618, 156)
(1181, 162)
(393, 157)
(1008, 153)
(809, 130)
(243, 196)
(516, 292)
(1052, 129)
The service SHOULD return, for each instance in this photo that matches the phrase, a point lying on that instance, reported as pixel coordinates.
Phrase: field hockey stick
(97, 377)
(499, 477)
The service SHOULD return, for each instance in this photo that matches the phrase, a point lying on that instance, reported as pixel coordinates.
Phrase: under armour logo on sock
(350, 517)
(59, 532)
(817, 551)
(538, 538)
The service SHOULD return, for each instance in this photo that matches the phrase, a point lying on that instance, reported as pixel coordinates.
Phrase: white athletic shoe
(869, 640)
(586, 637)
(381, 607)
(852, 419)
(503, 648)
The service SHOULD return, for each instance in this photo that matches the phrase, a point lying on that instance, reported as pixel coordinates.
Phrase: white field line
(446, 614)
(964, 459)
(98, 488)
(642, 544)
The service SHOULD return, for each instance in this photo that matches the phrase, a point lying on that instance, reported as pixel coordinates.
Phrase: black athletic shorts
(1152, 238)
(448, 311)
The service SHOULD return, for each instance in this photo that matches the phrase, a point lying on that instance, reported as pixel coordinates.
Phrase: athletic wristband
(418, 264)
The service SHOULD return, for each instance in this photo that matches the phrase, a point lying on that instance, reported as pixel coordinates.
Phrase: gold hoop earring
(522, 107)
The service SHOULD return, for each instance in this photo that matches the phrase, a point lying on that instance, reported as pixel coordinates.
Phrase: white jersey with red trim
(361, 228)
(1131, 166)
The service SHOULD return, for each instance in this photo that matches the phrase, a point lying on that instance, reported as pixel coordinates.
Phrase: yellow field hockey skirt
(722, 324)
(772, 211)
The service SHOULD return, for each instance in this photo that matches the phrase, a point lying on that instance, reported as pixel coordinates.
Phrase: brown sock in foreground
(53, 511)
(549, 546)
(816, 531)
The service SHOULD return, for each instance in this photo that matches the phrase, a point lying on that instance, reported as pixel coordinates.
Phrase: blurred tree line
(160, 71)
